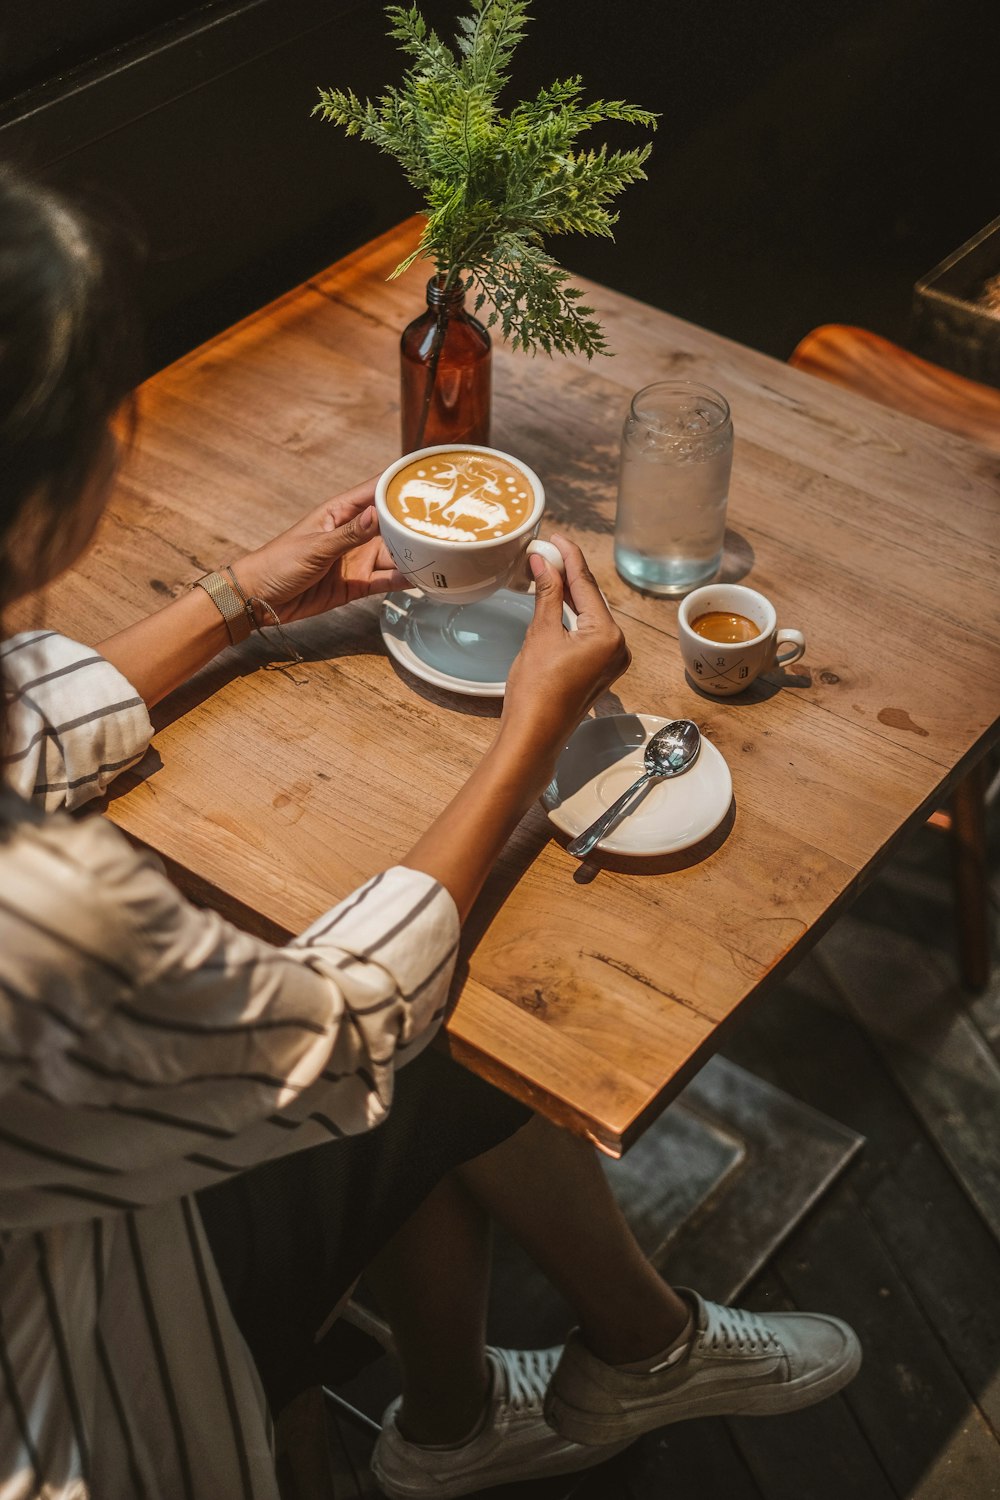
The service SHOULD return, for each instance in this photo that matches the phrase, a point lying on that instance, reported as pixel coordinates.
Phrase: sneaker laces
(526, 1373)
(735, 1328)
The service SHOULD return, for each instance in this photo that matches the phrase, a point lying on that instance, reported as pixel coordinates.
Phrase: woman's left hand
(330, 557)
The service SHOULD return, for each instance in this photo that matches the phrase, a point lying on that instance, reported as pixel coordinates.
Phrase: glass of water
(677, 454)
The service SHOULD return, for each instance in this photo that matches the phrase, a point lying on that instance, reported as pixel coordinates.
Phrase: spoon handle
(585, 841)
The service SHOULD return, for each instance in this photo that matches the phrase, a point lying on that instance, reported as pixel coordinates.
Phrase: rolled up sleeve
(391, 949)
(73, 721)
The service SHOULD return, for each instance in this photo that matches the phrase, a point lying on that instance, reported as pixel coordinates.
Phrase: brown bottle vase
(445, 363)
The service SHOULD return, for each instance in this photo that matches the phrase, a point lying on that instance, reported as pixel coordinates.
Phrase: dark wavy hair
(68, 359)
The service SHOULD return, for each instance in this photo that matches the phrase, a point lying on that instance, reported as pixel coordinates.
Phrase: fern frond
(495, 185)
(488, 39)
(431, 56)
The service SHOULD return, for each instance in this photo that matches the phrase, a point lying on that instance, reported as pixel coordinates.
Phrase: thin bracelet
(249, 600)
(248, 603)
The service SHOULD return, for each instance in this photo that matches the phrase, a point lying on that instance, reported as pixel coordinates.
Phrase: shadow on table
(127, 781)
(459, 703)
(606, 705)
(737, 558)
(524, 846)
(351, 630)
(765, 687)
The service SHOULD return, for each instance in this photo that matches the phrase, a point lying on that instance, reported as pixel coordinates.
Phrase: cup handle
(521, 579)
(552, 555)
(550, 552)
(793, 638)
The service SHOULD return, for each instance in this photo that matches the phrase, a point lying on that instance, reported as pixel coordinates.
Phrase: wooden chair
(885, 373)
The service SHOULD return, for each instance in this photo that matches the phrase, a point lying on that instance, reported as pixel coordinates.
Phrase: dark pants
(292, 1235)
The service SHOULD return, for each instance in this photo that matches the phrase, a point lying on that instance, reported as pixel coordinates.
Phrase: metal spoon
(671, 751)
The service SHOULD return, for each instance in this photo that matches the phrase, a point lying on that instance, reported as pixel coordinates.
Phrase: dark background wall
(812, 161)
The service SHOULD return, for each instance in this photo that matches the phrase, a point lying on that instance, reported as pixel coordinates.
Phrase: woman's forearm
(464, 841)
(160, 653)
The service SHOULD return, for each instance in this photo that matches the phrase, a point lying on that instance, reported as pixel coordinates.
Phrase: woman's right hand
(555, 678)
(558, 673)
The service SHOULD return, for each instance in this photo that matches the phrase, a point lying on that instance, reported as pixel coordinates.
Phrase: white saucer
(466, 648)
(603, 759)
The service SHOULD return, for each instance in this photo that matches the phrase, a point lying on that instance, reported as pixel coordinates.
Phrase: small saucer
(466, 648)
(602, 760)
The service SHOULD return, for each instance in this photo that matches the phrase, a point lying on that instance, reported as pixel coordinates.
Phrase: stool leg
(968, 846)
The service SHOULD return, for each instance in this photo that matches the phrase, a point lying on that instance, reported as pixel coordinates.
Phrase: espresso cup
(462, 571)
(724, 668)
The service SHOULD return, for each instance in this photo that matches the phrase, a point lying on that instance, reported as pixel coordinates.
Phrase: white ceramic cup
(458, 571)
(722, 668)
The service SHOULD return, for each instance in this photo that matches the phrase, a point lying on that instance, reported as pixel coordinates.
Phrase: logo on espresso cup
(728, 635)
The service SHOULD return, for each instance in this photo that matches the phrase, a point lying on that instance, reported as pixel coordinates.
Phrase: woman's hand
(554, 680)
(558, 673)
(330, 557)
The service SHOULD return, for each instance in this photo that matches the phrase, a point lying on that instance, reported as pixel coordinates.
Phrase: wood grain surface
(592, 991)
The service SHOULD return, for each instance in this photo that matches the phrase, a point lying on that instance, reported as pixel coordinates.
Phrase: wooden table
(593, 992)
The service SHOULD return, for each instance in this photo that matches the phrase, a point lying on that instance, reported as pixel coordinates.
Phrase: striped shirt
(148, 1049)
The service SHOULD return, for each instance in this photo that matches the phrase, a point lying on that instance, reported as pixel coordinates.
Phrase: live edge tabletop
(593, 992)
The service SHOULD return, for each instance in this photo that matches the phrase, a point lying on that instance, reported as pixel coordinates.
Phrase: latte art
(460, 497)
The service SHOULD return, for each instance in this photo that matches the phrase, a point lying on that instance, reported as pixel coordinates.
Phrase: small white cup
(722, 668)
(462, 572)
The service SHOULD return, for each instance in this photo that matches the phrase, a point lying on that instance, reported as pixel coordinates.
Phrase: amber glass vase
(445, 373)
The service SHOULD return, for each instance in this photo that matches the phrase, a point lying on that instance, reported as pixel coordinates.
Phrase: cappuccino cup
(460, 521)
(724, 666)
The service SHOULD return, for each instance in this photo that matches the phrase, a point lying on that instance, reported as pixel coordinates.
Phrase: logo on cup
(742, 626)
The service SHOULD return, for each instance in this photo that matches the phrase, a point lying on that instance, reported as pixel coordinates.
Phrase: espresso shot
(724, 626)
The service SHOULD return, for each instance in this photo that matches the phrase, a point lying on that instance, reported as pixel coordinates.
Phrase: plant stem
(440, 330)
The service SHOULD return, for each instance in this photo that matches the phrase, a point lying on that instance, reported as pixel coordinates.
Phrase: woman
(148, 1050)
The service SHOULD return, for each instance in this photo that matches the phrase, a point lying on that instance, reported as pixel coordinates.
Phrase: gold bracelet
(232, 606)
(237, 609)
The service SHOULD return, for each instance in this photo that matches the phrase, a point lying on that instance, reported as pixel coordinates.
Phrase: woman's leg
(431, 1283)
(547, 1188)
(432, 1279)
(644, 1356)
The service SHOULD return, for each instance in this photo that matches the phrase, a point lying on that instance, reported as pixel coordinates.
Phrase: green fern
(494, 185)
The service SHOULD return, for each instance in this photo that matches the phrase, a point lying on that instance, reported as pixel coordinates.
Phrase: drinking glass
(676, 458)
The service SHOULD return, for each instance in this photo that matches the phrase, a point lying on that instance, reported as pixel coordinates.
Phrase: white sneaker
(737, 1364)
(513, 1441)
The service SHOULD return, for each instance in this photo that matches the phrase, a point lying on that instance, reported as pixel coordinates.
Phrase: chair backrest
(884, 372)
